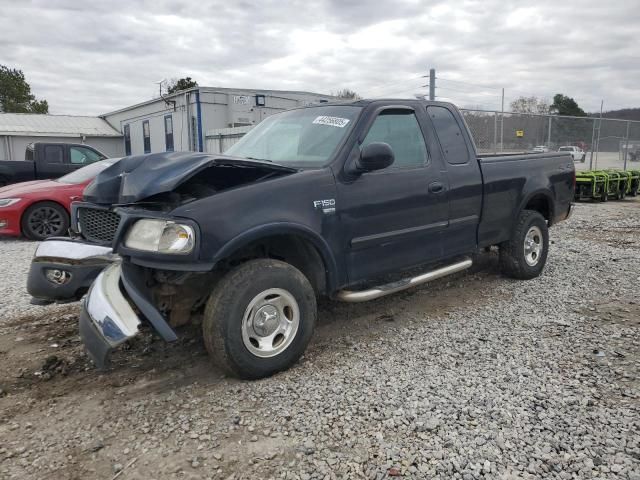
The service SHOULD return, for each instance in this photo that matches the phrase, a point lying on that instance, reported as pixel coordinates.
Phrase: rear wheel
(525, 254)
(43, 220)
(259, 318)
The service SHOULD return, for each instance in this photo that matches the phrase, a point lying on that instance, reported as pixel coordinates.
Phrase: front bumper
(107, 319)
(62, 270)
(10, 220)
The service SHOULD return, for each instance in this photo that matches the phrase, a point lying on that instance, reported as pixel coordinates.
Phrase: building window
(168, 133)
(146, 135)
(127, 140)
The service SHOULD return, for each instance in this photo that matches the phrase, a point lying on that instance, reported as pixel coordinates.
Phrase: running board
(389, 288)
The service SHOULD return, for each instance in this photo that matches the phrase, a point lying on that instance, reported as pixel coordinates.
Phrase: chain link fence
(606, 143)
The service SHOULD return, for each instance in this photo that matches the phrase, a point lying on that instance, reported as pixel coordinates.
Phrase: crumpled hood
(135, 178)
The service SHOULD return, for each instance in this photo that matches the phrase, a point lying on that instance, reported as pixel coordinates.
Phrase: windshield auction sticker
(331, 121)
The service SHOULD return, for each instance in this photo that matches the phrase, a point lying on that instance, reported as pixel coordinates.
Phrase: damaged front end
(134, 258)
(113, 310)
(62, 270)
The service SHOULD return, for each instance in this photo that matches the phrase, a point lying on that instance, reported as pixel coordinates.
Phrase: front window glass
(81, 155)
(85, 174)
(305, 137)
(399, 129)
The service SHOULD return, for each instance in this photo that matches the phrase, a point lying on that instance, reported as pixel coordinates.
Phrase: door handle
(436, 187)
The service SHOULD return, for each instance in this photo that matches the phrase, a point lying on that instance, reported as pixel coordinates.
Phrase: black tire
(43, 220)
(513, 257)
(228, 305)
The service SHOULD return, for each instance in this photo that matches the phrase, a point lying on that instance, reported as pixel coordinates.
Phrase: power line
(392, 84)
(410, 89)
(468, 83)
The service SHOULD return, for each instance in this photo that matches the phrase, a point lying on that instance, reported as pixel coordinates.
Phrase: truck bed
(506, 177)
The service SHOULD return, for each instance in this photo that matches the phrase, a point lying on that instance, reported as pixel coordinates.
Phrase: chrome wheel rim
(533, 246)
(270, 322)
(46, 222)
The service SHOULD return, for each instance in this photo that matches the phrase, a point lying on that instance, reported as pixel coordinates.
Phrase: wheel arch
(294, 243)
(540, 201)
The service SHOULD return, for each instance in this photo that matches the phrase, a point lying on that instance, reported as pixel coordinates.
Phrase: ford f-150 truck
(351, 201)
(48, 160)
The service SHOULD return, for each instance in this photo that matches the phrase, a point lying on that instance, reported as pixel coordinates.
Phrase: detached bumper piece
(62, 270)
(108, 318)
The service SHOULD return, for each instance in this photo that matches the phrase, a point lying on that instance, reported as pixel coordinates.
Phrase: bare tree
(530, 105)
(347, 94)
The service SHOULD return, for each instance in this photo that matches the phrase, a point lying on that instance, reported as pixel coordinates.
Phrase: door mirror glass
(375, 156)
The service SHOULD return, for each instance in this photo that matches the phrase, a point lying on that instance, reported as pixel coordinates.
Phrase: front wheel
(259, 318)
(525, 254)
(43, 220)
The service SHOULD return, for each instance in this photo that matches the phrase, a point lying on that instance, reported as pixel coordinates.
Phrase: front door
(393, 218)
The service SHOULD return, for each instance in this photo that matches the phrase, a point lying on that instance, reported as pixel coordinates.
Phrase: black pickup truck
(47, 160)
(351, 201)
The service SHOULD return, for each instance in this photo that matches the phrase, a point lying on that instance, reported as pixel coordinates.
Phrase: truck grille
(97, 225)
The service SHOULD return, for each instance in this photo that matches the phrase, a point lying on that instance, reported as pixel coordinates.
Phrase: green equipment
(601, 185)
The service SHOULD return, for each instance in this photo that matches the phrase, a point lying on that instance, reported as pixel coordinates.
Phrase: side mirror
(375, 156)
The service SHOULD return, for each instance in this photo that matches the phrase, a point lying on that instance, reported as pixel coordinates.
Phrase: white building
(181, 121)
(17, 130)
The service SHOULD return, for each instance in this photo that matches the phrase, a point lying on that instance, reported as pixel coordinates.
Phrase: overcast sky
(88, 57)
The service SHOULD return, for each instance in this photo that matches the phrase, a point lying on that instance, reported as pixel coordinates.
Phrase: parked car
(48, 160)
(540, 149)
(40, 209)
(577, 154)
(345, 201)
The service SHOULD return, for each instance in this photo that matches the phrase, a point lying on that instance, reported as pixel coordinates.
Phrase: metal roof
(223, 90)
(41, 125)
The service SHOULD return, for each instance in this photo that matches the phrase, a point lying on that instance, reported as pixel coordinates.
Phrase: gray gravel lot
(474, 376)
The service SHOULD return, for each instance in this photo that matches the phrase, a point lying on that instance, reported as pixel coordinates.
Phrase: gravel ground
(474, 376)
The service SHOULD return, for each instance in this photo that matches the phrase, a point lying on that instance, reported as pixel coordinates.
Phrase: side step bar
(389, 288)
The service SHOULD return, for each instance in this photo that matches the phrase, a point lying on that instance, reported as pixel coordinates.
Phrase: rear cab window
(53, 154)
(449, 133)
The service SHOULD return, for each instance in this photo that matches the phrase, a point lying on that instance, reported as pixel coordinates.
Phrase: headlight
(162, 236)
(5, 202)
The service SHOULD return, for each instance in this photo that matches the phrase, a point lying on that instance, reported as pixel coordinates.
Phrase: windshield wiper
(259, 159)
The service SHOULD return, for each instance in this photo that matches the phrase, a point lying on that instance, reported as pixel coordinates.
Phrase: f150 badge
(327, 206)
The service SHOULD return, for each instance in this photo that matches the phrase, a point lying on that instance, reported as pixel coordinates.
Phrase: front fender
(284, 228)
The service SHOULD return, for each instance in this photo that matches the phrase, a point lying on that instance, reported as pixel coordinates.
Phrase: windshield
(305, 137)
(87, 173)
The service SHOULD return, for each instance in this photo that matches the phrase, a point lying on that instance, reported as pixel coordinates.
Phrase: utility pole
(599, 131)
(626, 147)
(432, 84)
(502, 123)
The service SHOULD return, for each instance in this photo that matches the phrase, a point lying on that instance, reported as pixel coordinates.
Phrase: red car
(40, 209)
